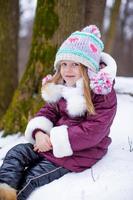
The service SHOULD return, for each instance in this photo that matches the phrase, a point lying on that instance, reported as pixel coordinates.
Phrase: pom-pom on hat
(83, 46)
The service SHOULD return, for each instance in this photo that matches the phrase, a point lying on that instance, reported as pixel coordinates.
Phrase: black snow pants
(25, 170)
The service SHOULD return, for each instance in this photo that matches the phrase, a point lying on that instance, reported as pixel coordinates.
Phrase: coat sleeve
(90, 132)
(44, 120)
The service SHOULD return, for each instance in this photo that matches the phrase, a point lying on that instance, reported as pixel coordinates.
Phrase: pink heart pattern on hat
(73, 39)
(93, 48)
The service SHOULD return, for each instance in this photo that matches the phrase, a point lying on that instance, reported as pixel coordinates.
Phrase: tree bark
(111, 33)
(9, 23)
(94, 12)
(123, 45)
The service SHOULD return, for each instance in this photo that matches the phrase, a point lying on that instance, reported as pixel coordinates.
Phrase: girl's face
(70, 72)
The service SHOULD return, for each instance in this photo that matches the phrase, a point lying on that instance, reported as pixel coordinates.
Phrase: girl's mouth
(70, 76)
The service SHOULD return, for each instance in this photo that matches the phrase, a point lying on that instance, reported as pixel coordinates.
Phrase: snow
(124, 85)
(112, 177)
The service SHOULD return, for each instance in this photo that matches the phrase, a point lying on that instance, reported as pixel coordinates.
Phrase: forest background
(30, 33)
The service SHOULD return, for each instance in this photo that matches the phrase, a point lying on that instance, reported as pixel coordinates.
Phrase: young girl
(71, 132)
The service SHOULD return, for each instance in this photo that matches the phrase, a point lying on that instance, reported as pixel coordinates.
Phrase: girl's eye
(75, 64)
(63, 64)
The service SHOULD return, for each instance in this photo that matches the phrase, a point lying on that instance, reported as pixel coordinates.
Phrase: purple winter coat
(79, 140)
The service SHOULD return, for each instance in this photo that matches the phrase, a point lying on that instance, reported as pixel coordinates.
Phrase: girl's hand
(46, 78)
(42, 143)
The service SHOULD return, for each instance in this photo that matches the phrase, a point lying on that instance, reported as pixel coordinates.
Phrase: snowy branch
(92, 174)
(124, 93)
(130, 142)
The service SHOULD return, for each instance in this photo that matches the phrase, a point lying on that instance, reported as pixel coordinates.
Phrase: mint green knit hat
(83, 46)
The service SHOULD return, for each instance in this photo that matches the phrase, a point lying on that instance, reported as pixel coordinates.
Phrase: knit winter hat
(83, 46)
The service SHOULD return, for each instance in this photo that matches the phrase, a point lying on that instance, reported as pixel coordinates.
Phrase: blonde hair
(57, 78)
(87, 90)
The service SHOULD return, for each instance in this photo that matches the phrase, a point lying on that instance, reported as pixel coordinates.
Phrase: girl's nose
(68, 67)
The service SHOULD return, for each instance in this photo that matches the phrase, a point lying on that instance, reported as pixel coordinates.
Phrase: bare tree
(94, 12)
(110, 36)
(123, 45)
(9, 24)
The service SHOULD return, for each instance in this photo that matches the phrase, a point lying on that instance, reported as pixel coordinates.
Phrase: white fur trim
(37, 123)
(111, 67)
(60, 141)
(51, 92)
(76, 104)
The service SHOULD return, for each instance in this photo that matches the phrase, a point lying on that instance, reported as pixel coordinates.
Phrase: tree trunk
(9, 23)
(53, 23)
(110, 37)
(123, 45)
(94, 12)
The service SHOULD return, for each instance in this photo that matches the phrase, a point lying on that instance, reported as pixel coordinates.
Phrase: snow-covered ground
(112, 177)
